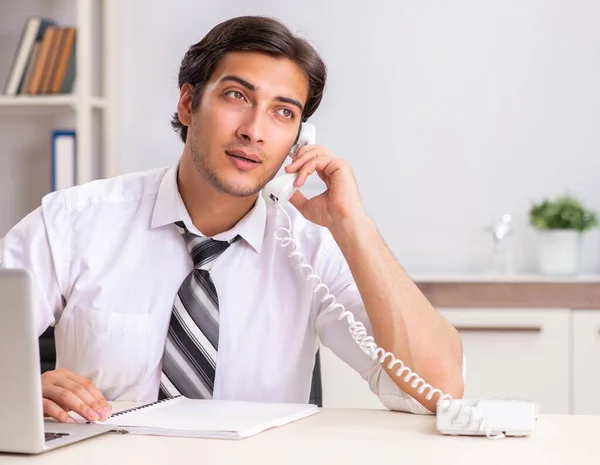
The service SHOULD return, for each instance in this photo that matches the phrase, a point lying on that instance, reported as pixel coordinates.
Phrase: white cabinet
(517, 353)
(550, 356)
(586, 362)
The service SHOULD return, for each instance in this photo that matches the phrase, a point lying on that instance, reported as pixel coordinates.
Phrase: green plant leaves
(565, 212)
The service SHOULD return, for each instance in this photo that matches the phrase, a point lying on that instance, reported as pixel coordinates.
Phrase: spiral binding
(367, 343)
(141, 407)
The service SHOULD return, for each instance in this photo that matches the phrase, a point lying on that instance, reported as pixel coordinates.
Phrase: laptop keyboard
(51, 436)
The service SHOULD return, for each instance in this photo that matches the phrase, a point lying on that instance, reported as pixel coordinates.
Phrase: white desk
(341, 437)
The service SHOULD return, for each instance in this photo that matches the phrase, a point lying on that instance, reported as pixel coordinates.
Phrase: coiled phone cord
(367, 343)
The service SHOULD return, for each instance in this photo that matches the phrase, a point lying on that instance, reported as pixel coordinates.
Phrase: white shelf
(98, 102)
(47, 101)
(88, 110)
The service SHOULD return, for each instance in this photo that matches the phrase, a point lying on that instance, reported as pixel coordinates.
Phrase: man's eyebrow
(290, 101)
(239, 80)
(252, 88)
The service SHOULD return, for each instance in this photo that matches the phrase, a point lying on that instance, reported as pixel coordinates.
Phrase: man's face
(247, 121)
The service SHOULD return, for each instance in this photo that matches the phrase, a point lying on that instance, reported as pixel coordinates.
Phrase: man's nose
(252, 129)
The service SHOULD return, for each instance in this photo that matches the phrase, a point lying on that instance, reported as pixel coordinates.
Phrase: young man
(147, 277)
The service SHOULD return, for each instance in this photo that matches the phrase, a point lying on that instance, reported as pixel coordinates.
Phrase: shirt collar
(169, 208)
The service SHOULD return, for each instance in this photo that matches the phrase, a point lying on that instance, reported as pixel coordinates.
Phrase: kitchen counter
(509, 278)
(510, 291)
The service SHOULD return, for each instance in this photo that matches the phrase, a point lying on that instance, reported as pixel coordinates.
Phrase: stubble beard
(213, 179)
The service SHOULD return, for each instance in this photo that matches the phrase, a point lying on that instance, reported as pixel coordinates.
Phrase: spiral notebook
(218, 419)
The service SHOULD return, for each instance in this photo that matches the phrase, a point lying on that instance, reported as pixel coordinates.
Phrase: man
(171, 281)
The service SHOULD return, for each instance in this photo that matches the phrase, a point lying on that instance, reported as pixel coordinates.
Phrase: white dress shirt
(108, 262)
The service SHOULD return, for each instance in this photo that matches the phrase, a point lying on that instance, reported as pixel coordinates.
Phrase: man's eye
(286, 112)
(236, 94)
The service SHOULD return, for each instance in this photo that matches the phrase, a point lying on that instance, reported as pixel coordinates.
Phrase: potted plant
(560, 224)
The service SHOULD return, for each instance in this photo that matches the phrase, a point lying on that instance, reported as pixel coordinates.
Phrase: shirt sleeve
(27, 246)
(334, 333)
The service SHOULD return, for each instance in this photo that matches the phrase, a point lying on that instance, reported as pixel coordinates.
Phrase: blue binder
(64, 159)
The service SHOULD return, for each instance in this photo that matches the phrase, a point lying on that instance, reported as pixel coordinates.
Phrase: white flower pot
(559, 251)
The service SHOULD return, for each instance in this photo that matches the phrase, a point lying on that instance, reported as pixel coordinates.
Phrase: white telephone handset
(281, 188)
(454, 417)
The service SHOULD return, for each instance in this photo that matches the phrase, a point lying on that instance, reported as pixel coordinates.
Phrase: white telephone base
(506, 416)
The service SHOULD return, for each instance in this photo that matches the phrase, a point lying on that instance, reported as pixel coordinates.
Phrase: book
(50, 64)
(217, 419)
(31, 36)
(43, 55)
(63, 73)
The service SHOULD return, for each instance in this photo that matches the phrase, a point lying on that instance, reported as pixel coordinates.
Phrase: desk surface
(341, 437)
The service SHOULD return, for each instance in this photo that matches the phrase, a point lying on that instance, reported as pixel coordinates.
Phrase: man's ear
(184, 106)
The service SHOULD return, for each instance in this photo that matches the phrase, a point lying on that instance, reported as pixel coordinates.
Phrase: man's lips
(244, 155)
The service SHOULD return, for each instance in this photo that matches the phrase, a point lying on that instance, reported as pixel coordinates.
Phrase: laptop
(22, 425)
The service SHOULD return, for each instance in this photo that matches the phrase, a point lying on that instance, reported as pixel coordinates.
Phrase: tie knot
(203, 250)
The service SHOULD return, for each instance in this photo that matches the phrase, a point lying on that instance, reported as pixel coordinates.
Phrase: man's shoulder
(130, 187)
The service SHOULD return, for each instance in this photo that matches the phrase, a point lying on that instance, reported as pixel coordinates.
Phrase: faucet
(502, 229)
(501, 259)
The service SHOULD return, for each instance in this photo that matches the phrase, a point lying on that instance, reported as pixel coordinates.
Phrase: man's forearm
(403, 320)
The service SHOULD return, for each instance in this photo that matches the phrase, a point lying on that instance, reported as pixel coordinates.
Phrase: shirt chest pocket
(109, 348)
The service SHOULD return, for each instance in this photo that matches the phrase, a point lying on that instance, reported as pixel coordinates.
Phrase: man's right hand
(64, 391)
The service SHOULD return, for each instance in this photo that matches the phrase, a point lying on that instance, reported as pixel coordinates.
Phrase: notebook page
(185, 414)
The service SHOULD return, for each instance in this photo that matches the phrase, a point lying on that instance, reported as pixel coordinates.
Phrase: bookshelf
(45, 101)
(27, 121)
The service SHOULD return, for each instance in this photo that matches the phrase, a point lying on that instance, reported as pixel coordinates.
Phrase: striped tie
(189, 360)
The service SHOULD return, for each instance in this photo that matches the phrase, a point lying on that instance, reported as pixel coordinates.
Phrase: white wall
(452, 113)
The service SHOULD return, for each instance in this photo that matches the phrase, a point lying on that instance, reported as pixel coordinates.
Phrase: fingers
(303, 154)
(101, 408)
(65, 391)
(324, 166)
(298, 200)
(324, 178)
(53, 410)
(306, 170)
(310, 159)
(68, 401)
(98, 402)
(303, 149)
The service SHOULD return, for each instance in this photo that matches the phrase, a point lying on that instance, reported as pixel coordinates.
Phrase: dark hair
(249, 34)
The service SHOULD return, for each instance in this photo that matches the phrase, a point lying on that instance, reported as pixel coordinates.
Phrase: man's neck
(211, 211)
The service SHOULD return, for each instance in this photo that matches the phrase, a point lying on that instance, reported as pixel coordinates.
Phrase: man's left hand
(341, 199)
